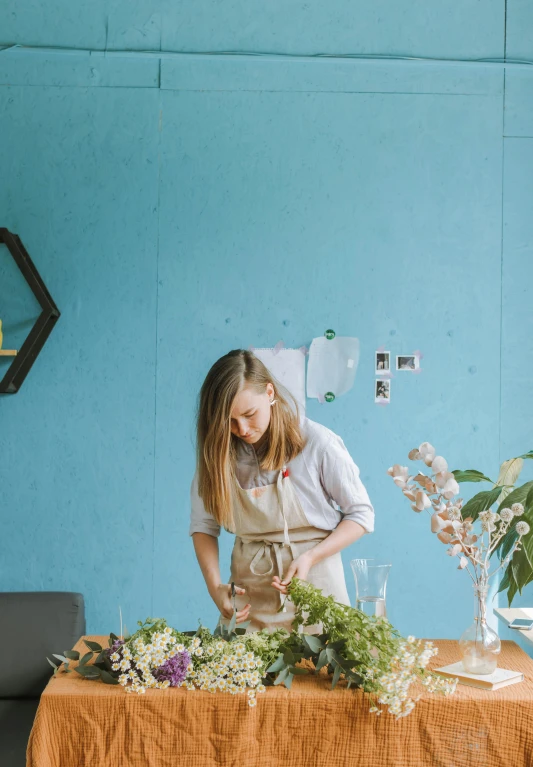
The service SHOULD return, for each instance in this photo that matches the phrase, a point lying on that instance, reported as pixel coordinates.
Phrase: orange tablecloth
(83, 723)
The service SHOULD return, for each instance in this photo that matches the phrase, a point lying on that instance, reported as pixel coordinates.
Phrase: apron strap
(281, 494)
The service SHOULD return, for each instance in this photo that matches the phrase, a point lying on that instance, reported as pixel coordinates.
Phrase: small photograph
(407, 362)
(382, 361)
(382, 390)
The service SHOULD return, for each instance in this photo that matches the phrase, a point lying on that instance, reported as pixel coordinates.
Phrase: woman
(272, 478)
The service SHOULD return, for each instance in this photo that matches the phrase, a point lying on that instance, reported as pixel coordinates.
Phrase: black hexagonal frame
(29, 351)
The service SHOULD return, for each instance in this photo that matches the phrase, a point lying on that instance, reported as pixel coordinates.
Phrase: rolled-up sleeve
(201, 521)
(340, 479)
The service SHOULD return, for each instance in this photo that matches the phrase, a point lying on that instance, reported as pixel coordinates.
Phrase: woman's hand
(221, 596)
(298, 568)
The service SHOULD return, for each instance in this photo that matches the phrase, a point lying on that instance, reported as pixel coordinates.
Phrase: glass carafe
(370, 585)
(479, 645)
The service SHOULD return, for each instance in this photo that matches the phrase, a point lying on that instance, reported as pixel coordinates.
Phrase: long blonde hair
(216, 446)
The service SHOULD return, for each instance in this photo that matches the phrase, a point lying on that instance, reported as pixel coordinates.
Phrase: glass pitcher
(370, 585)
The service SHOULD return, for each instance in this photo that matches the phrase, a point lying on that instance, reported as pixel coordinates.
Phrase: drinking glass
(370, 585)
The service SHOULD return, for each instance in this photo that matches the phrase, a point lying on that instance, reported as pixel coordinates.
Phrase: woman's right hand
(221, 596)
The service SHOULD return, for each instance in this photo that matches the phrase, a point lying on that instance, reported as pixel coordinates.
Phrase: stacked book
(501, 677)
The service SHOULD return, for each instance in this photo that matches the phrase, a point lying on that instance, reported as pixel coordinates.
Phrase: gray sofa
(33, 625)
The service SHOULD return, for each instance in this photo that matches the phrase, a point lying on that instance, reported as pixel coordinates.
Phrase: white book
(499, 678)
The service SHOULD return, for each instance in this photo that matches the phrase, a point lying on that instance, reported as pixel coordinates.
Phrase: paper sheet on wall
(332, 365)
(288, 366)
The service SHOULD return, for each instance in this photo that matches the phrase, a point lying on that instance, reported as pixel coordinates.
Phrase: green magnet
(330, 334)
(329, 396)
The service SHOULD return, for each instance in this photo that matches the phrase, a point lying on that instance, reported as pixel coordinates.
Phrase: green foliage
(470, 475)
(519, 571)
(480, 502)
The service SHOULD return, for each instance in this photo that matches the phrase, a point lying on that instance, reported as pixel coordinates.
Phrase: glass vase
(480, 645)
(370, 585)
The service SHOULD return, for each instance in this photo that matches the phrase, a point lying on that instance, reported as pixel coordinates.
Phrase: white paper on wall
(332, 365)
(288, 366)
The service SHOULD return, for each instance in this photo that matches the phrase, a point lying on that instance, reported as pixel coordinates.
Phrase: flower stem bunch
(387, 663)
(158, 656)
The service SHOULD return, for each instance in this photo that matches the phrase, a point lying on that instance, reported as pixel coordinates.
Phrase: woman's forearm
(347, 531)
(206, 548)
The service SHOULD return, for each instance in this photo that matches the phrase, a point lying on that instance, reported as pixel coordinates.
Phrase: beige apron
(263, 548)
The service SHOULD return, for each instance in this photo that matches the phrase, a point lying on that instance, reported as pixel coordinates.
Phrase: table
(83, 723)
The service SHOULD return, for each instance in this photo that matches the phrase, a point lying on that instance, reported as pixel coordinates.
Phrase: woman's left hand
(298, 568)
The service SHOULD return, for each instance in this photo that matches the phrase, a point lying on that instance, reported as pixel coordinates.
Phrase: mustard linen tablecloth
(83, 723)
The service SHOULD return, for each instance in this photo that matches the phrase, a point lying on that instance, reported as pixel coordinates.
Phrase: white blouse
(324, 476)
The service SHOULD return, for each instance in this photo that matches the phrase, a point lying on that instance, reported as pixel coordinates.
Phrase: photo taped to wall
(382, 361)
(407, 362)
(382, 391)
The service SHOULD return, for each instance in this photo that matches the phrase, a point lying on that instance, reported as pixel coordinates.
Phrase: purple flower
(114, 647)
(174, 669)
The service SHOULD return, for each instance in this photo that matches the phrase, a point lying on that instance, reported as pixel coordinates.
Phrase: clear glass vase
(370, 585)
(480, 645)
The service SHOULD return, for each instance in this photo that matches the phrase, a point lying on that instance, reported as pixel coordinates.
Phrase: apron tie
(265, 549)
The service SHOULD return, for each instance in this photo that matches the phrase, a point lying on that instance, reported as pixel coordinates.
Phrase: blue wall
(181, 210)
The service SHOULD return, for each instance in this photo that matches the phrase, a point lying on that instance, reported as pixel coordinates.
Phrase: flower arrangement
(365, 650)
(453, 521)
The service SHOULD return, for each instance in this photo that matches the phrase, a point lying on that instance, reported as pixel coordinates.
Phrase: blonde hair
(216, 446)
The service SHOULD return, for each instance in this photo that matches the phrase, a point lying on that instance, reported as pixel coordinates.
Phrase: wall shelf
(24, 358)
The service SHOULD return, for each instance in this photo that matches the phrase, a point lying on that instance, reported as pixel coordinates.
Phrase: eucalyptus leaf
(108, 678)
(89, 672)
(322, 660)
(288, 657)
(354, 677)
(61, 657)
(282, 675)
(480, 502)
(113, 638)
(313, 642)
(86, 658)
(338, 645)
(278, 664)
(336, 676)
(333, 655)
(470, 475)
(72, 654)
(93, 646)
(288, 680)
(298, 670)
(52, 664)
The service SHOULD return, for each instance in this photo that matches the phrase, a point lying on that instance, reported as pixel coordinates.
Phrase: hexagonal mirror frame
(29, 351)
